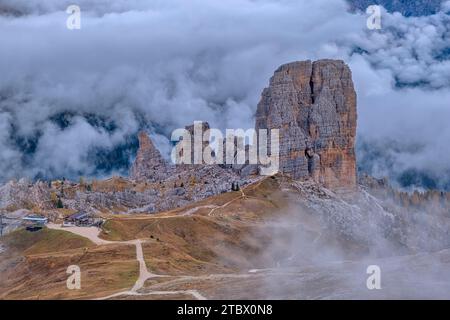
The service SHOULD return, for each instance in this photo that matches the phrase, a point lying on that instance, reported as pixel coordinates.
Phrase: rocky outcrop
(198, 131)
(166, 185)
(25, 194)
(149, 164)
(313, 104)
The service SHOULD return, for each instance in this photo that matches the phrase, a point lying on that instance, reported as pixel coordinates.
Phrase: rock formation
(149, 164)
(198, 131)
(24, 194)
(313, 104)
(157, 185)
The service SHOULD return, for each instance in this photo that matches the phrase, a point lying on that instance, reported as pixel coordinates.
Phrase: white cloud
(168, 63)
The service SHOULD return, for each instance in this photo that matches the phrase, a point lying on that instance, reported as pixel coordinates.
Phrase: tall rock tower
(149, 164)
(313, 104)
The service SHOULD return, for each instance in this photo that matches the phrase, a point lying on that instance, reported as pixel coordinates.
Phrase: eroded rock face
(160, 185)
(313, 104)
(149, 164)
(15, 195)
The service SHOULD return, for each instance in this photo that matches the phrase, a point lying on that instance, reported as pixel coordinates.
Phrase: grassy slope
(198, 243)
(44, 241)
(35, 264)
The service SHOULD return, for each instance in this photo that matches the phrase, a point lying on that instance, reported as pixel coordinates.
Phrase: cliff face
(149, 164)
(313, 104)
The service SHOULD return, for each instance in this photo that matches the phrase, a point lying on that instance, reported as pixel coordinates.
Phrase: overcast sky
(167, 63)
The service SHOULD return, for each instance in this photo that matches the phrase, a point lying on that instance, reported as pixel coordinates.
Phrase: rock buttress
(149, 164)
(313, 104)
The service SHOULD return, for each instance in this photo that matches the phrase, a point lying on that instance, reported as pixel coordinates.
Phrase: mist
(321, 247)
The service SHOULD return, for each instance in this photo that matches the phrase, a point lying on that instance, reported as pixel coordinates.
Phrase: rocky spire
(314, 107)
(149, 164)
(199, 131)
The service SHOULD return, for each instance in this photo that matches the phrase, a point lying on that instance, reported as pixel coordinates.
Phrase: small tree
(59, 205)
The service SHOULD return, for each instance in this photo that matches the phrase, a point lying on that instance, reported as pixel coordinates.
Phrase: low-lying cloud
(160, 65)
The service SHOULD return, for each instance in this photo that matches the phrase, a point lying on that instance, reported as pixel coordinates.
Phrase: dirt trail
(227, 204)
(243, 196)
(193, 293)
(144, 275)
(195, 209)
(87, 232)
(92, 233)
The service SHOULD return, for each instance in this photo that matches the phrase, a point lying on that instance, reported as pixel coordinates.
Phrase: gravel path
(92, 234)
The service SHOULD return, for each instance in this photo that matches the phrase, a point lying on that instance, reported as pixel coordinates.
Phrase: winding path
(243, 196)
(92, 234)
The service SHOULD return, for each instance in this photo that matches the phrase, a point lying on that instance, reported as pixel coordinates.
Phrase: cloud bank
(72, 99)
